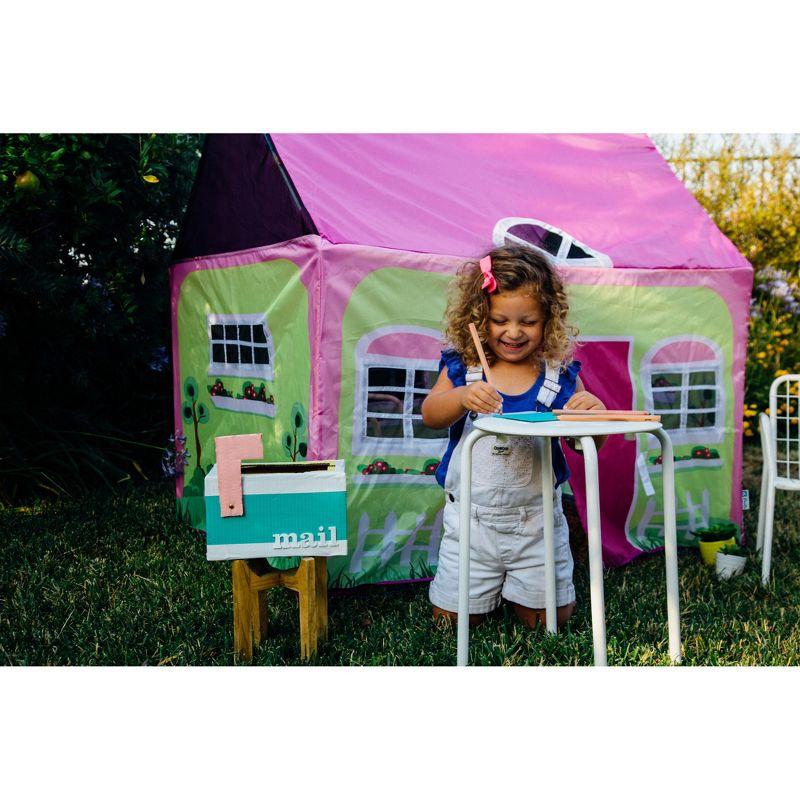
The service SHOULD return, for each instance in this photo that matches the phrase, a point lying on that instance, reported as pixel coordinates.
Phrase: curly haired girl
(518, 304)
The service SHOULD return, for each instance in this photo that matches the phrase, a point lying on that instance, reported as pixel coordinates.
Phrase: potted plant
(731, 561)
(715, 536)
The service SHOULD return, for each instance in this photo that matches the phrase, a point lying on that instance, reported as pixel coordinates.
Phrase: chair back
(784, 420)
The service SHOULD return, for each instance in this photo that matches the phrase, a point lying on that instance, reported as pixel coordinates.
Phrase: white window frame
(684, 434)
(264, 371)
(501, 236)
(408, 445)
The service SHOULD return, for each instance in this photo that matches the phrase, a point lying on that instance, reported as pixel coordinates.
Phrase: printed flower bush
(701, 453)
(219, 390)
(259, 394)
(250, 392)
(380, 466)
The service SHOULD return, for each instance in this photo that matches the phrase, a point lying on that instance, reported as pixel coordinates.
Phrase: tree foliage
(87, 226)
(750, 187)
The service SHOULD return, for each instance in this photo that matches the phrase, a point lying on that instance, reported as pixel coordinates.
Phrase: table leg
(670, 546)
(463, 545)
(595, 551)
(546, 461)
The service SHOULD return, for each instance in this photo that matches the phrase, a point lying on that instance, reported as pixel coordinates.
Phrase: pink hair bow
(489, 282)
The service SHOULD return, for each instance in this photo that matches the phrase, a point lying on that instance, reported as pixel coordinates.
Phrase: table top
(513, 427)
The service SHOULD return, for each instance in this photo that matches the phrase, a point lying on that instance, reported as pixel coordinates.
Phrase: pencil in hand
(481, 355)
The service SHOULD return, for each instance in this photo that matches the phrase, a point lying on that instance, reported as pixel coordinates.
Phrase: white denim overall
(506, 535)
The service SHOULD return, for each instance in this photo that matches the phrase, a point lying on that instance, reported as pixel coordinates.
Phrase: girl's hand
(584, 401)
(482, 398)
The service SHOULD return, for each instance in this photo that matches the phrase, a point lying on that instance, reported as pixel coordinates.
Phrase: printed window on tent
(683, 380)
(563, 249)
(240, 345)
(391, 389)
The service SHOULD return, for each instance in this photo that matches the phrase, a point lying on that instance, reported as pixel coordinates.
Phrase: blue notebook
(529, 416)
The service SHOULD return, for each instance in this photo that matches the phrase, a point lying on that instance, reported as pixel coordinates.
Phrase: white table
(583, 431)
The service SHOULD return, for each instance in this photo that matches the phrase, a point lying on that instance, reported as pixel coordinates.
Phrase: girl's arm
(447, 403)
(586, 401)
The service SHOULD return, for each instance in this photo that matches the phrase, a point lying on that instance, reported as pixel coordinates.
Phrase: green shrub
(87, 227)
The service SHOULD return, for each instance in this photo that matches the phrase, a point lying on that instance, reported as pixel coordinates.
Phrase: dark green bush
(87, 226)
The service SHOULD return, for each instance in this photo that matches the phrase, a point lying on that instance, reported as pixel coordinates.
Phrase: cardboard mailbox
(290, 509)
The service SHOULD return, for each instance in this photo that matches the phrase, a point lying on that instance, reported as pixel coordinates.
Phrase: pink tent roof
(444, 193)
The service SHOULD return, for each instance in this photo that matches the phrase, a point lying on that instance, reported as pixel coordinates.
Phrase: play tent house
(309, 290)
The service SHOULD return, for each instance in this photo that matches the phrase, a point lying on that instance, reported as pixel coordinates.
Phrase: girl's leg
(533, 617)
(452, 616)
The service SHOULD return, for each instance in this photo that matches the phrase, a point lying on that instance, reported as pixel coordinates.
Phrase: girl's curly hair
(513, 268)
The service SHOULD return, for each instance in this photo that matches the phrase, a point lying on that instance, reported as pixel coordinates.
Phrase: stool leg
(321, 573)
(670, 547)
(307, 595)
(546, 458)
(595, 552)
(242, 610)
(465, 516)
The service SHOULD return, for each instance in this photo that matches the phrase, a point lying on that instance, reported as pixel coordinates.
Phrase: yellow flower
(750, 413)
(761, 354)
(748, 432)
(150, 178)
(781, 372)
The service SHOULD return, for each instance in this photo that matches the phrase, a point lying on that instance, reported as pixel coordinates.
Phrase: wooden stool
(253, 577)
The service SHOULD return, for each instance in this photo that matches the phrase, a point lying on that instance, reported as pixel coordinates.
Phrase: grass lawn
(116, 579)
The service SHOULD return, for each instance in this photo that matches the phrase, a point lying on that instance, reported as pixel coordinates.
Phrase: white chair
(780, 448)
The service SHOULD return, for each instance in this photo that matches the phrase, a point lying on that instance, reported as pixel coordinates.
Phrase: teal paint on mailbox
(298, 510)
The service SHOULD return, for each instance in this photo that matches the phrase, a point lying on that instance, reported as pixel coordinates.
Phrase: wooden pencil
(481, 355)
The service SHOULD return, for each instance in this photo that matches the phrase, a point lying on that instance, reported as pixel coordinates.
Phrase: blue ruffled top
(457, 372)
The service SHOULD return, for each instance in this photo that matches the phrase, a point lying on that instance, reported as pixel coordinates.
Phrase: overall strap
(550, 387)
(474, 374)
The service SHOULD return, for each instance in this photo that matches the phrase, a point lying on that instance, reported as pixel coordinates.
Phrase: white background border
(415, 66)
